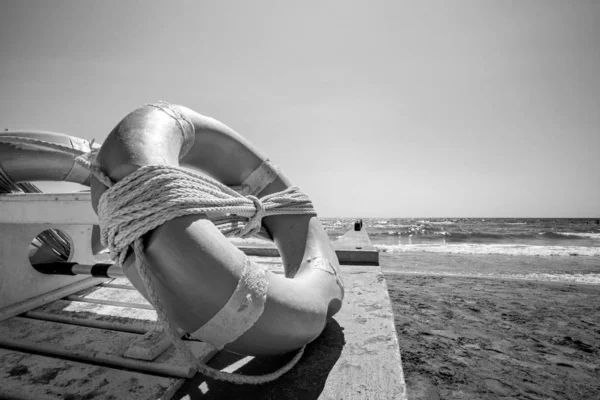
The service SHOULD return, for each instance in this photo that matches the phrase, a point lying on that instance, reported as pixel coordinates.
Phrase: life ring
(195, 269)
(27, 155)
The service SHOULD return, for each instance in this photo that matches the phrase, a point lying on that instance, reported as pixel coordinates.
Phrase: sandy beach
(491, 338)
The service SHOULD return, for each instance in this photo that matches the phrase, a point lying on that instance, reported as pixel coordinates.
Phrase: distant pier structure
(358, 225)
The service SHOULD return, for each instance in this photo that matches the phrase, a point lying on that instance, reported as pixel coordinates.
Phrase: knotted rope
(155, 194)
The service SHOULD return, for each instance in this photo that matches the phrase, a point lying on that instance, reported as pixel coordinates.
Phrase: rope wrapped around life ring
(154, 194)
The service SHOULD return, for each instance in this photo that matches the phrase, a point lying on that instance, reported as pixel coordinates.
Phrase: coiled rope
(154, 194)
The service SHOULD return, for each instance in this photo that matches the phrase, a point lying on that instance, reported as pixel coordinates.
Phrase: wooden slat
(30, 376)
(118, 286)
(103, 316)
(273, 264)
(121, 281)
(110, 294)
(266, 260)
(110, 302)
(150, 346)
(23, 306)
(93, 345)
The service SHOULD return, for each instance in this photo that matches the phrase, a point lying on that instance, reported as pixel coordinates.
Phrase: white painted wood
(21, 286)
(93, 315)
(110, 302)
(117, 286)
(132, 297)
(23, 306)
(121, 281)
(47, 208)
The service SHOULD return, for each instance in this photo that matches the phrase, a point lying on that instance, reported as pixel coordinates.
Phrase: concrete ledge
(354, 248)
(345, 256)
(357, 257)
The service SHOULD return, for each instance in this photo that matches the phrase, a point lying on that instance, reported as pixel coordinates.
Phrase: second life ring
(196, 272)
(27, 155)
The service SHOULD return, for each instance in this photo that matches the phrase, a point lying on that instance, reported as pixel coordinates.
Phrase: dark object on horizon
(358, 225)
(598, 222)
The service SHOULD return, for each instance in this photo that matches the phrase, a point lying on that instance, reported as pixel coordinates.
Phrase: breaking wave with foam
(492, 249)
(587, 235)
(540, 249)
(592, 279)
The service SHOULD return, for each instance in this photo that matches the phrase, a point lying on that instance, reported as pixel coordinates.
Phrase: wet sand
(486, 338)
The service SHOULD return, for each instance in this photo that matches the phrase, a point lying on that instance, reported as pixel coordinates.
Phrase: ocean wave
(585, 235)
(423, 221)
(593, 279)
(485, 249)
(389, 226)
(406, 230)
(575, 278)
(493, 236)
(410, 233)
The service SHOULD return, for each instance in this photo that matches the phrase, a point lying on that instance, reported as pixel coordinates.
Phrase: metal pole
(69, 268)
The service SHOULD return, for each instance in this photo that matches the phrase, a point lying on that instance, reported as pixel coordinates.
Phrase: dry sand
(474, 338)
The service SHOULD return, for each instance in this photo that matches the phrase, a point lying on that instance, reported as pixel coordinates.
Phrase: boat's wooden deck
(73, 348)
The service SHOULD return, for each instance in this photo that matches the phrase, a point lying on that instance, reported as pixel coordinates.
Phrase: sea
(543, 249)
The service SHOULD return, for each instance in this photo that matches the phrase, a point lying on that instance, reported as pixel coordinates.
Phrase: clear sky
(399, 108)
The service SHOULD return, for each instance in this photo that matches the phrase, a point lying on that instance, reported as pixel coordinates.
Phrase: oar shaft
(67, 268)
